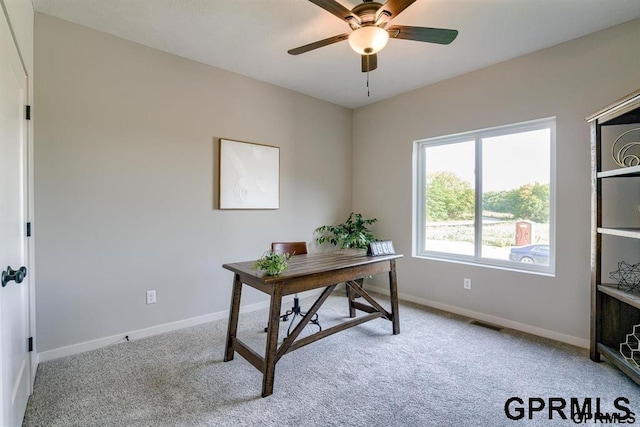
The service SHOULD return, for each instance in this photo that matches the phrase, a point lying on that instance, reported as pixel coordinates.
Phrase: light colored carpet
(440, 370)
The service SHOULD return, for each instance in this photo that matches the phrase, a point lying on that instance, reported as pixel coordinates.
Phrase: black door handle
(16, 275)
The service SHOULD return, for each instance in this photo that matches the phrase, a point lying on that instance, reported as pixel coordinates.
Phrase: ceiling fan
(369, 36)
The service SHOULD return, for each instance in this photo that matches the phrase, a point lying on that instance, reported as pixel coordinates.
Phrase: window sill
(496, 266)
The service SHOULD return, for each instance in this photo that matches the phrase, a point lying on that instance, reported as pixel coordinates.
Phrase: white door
(14, 297)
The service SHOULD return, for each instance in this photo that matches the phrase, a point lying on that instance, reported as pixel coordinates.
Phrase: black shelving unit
(614, 311)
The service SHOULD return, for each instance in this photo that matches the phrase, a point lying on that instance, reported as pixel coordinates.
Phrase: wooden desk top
(300, 266)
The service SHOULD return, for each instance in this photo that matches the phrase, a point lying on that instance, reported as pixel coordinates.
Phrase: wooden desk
(307, 272)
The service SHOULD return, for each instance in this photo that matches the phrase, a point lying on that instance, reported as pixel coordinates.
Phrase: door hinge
(27, 112)
(28, 229)
(30, 344)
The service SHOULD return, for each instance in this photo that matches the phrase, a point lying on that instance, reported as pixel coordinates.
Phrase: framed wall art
(249, 175)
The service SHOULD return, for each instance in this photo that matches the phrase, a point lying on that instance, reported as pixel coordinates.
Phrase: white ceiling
(251, 37)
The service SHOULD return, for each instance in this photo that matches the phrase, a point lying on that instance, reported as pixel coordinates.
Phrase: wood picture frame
(248, 175)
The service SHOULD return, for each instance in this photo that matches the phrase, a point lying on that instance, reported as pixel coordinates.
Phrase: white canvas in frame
(249, 175)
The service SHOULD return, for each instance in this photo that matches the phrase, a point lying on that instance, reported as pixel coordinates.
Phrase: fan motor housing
(367, 12)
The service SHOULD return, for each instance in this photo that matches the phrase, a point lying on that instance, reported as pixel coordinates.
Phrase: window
(487, 197)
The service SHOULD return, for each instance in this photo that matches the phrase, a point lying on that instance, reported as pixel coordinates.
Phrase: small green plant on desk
(353, 233)
(273, 263)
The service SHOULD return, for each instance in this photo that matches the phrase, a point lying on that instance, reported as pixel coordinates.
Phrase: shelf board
(632, 232)
(616, 359)
(626, 297)
(620, 173)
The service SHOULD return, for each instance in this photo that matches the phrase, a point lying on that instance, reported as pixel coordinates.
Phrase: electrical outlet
(467, 283)
(151, 297)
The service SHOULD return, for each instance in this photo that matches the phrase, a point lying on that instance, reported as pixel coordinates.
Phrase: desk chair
(293, 248)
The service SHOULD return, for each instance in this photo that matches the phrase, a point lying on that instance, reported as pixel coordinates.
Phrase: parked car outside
(530, 254)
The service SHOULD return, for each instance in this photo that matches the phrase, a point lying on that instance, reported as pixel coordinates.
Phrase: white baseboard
(499, 321)
(147, 332)
(167, 327)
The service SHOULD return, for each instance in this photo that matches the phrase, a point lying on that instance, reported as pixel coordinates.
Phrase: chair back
(292, 248)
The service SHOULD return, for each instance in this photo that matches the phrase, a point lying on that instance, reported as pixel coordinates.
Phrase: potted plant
(353, 233)
(273, 263)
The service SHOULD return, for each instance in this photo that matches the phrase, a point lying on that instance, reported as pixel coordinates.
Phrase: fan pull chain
(368, 69)
(368, 94)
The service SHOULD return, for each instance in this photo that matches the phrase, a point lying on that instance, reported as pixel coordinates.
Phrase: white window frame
(419, 220)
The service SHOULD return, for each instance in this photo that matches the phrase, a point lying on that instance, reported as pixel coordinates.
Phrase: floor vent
(486, 325)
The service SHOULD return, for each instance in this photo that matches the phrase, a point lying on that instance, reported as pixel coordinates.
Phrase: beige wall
(124, 159)
(568, 81)
(125, 179)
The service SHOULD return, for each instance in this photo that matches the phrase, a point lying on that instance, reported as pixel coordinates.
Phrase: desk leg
(271, 350)
(233, 317)
(350, 296)
(393, 292)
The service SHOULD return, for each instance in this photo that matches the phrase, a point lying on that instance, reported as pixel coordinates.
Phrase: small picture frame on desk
(383, 247)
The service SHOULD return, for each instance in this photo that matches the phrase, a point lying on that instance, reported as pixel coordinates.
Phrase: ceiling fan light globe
(368, 40)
